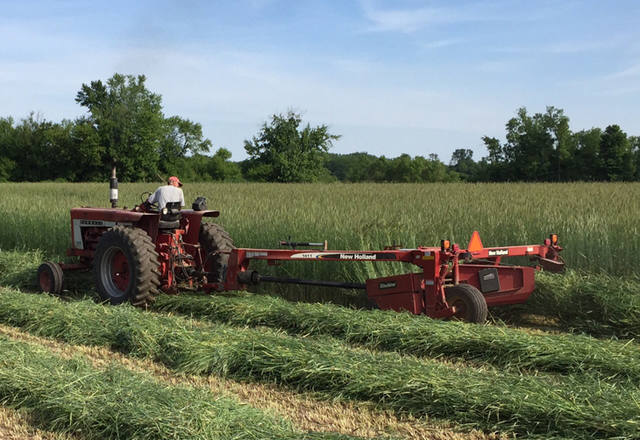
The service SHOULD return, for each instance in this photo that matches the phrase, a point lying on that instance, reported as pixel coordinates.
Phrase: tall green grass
(69, 395)
(597, 222)
(419, 336)
(571, 406)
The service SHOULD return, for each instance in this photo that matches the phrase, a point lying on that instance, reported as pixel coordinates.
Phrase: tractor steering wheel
(144, 197)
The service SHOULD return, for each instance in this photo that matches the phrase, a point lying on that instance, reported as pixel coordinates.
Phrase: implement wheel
(125, 267)
(469, 303)
(214, 240)
(50, 277)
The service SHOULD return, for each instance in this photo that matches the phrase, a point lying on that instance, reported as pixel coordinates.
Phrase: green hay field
(597, 222)
(513, 381)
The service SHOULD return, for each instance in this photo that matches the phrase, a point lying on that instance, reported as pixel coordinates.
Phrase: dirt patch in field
(14, 425)
(305, 412)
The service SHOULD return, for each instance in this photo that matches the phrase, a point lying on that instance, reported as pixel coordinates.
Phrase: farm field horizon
(575, 338)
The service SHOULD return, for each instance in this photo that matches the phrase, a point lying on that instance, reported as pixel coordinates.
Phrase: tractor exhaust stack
(113, 188)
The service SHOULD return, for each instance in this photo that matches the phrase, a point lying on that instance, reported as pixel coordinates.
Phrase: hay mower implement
(137, 254)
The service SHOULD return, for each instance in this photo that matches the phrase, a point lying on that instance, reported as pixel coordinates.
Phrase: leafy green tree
(558, 125)
(495, 167)
(129, 122)
(634, 141)
(7, 164)
(586, 155)
(181, 137)
(538, 147)
(88, 152)
(35, 149)
(403, 169)
(282, 152)
(220, 167)
(352, 167)
(616, 157)
(433, 170)
(462, 163)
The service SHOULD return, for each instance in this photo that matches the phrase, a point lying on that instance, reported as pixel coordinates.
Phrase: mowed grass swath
(510, 349)
(70, 395)
(590, 303)
(575, 406)
(597, 222)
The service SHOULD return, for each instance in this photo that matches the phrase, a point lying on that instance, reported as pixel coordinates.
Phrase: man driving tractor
(171, 192)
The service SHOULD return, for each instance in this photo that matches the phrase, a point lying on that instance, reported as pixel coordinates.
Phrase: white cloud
(629, 72)
(409, 20)
(565, 47)
(496, 66)
(438, 44)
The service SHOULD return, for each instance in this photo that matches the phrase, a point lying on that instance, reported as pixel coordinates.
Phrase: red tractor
(136, 254)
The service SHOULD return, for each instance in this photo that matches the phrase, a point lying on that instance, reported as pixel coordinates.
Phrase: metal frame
(422, 292)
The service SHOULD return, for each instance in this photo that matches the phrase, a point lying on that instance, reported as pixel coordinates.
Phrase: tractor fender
(194, 219)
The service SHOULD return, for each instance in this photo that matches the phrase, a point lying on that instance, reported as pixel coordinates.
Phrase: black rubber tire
(142, 261)
(52, 272)
(470, 301)
(213, 238)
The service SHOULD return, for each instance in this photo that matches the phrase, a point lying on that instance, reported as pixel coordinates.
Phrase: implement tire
(215, 240)
(471, 305)
(126, 267)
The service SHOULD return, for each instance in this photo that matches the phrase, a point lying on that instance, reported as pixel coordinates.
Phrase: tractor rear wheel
(214, 240)
(469, 303)
(50, 277)
(125, 267)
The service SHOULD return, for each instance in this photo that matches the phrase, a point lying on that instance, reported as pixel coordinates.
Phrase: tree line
(124, 126)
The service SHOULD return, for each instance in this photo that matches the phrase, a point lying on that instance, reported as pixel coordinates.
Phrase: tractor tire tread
(213, 238)
(146, 279)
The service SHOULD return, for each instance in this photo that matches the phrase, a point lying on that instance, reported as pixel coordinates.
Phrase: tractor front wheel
(215, 241)
(50, 277)
(125, 267)
(469, 303)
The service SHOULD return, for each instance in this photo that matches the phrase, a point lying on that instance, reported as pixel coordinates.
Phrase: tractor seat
(170, 216)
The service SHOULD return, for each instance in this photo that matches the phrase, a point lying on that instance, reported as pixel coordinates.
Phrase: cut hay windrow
(418, 336)
(70, 396)
(598, 304)
(551, 405)
(582, 299)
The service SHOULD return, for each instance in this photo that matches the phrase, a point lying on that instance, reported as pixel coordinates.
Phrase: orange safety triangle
(475, 244)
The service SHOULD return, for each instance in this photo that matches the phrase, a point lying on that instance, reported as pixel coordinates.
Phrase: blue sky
(394, 77)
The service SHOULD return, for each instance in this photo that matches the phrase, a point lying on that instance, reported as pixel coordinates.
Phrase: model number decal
(355, 256)
(257, 254)
(498, 252)
(92, 222)
(387, 285)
